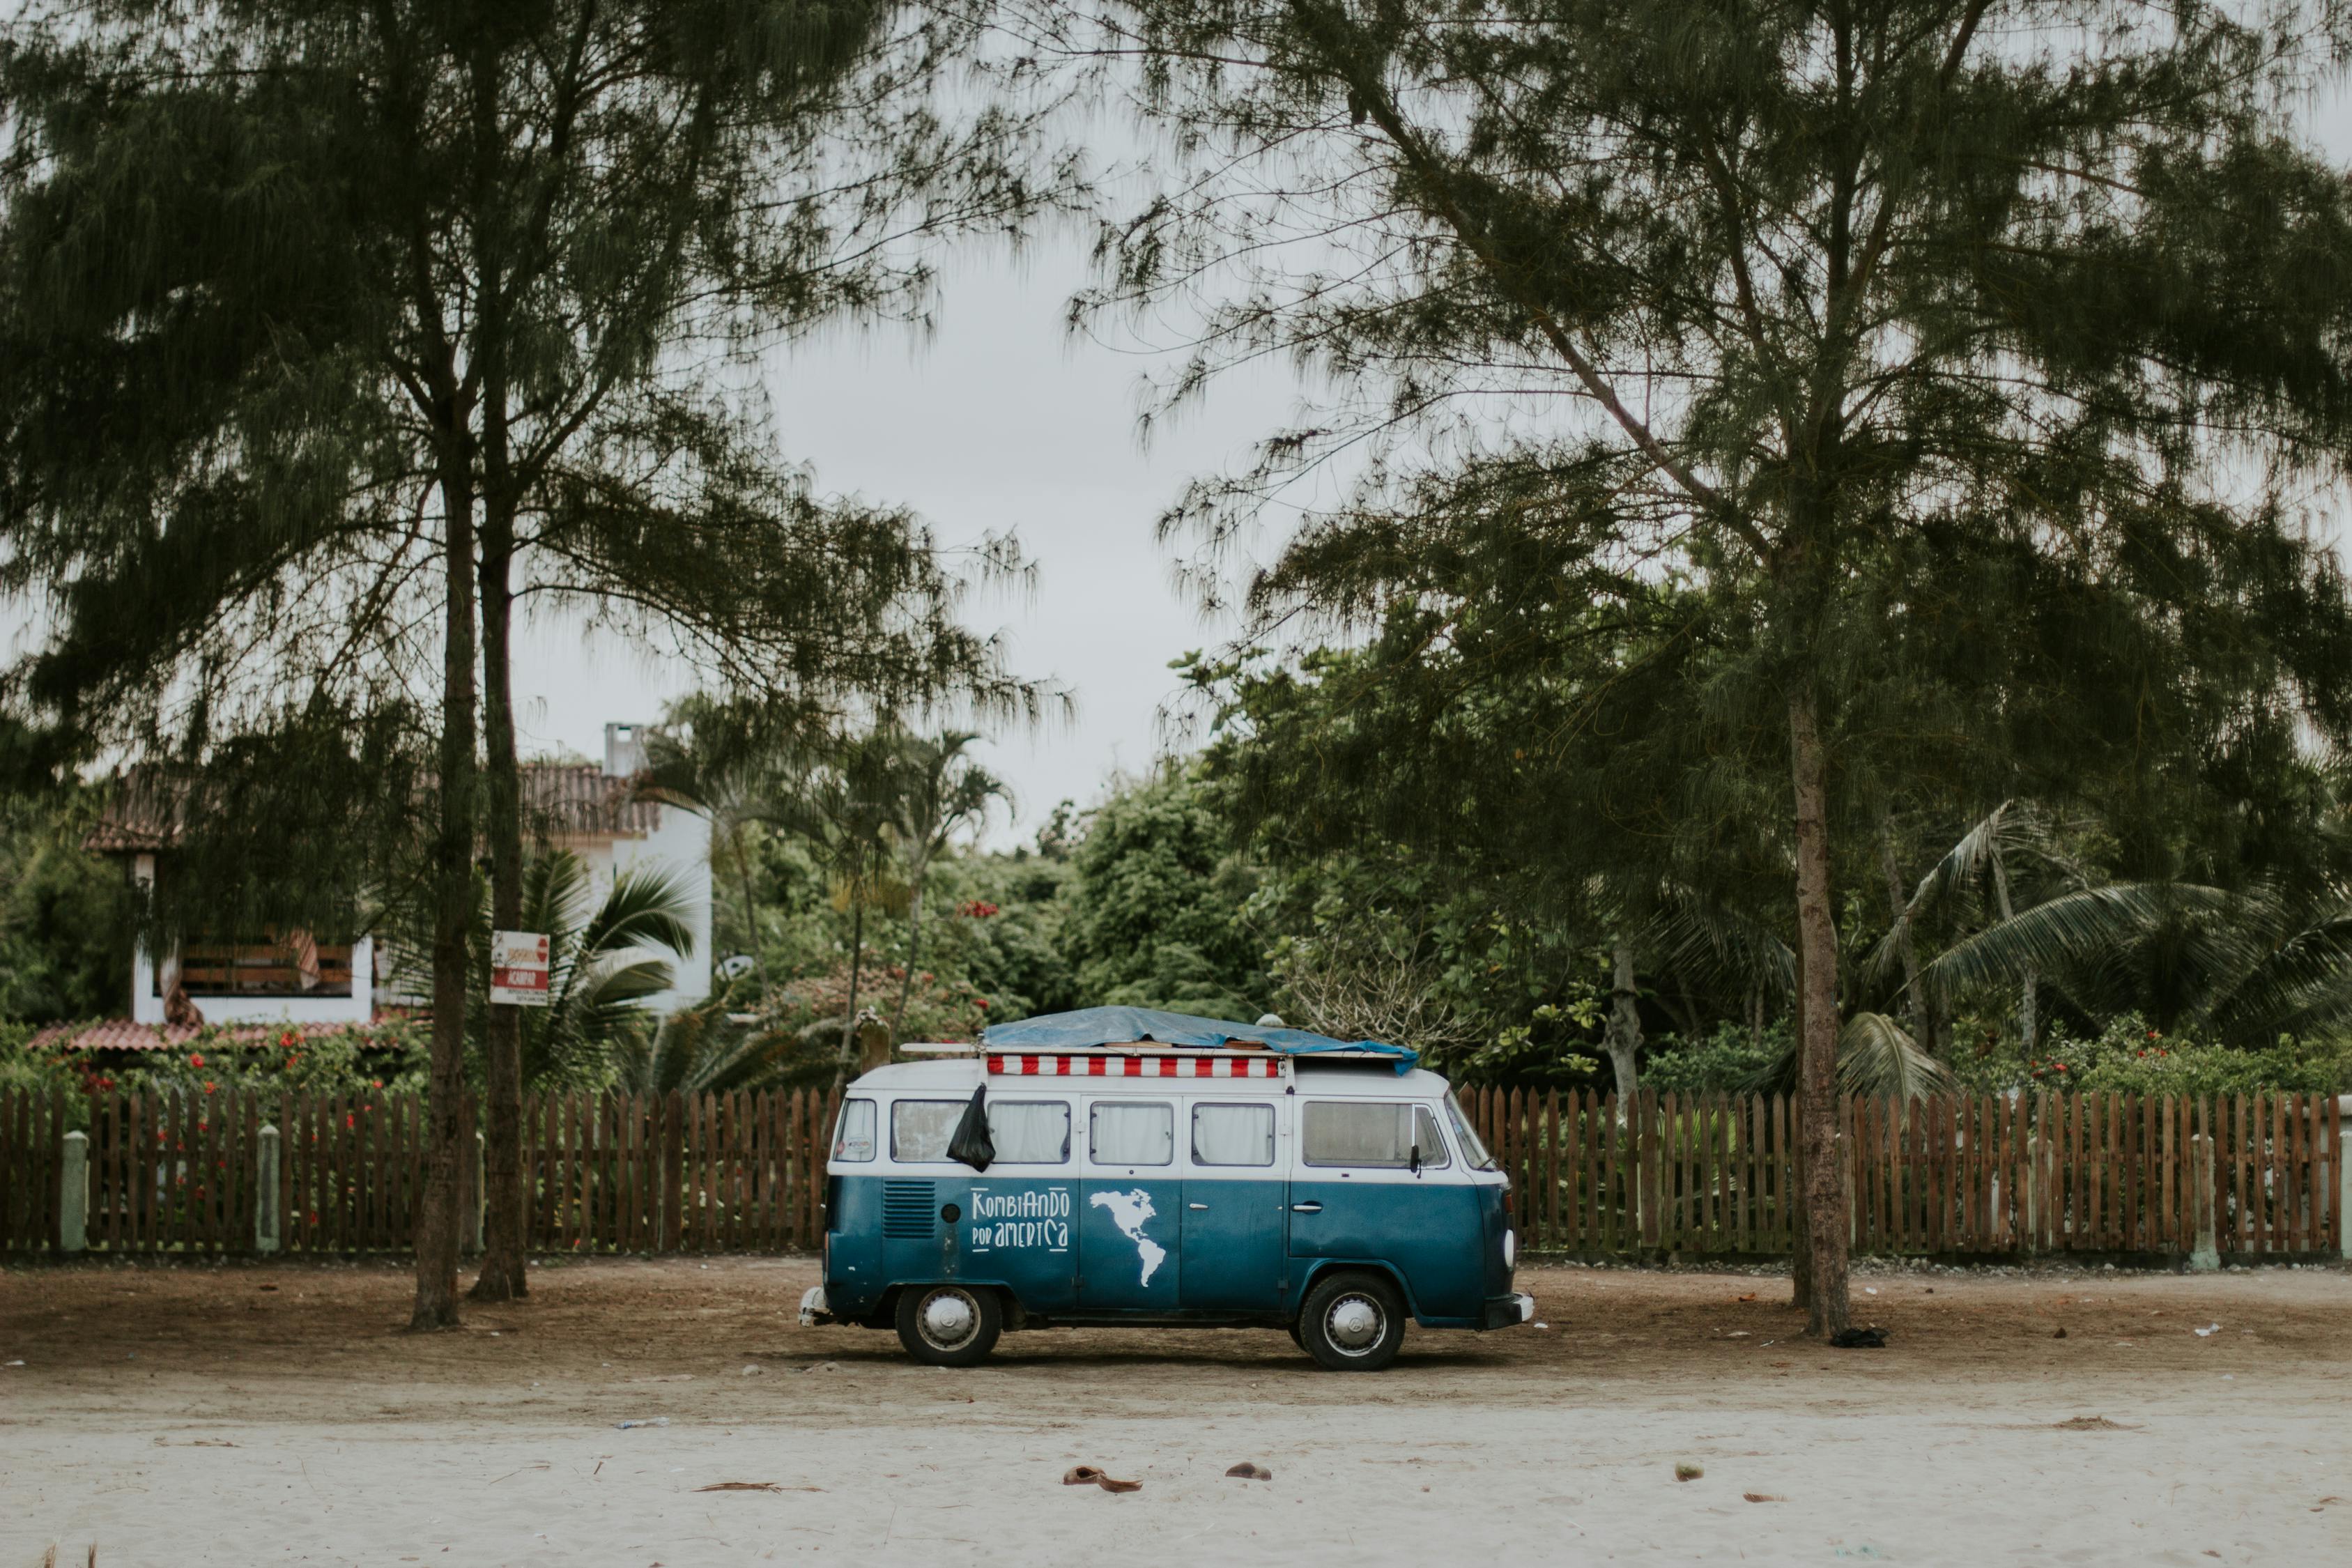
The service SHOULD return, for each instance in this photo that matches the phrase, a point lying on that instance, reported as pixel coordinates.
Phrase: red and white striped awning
(1091, 1063)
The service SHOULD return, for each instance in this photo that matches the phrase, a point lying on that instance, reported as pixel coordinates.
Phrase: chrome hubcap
(949, 1318)
(1354, 1324)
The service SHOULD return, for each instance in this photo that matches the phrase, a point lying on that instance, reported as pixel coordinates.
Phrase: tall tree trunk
(502, 1277)
(751, 918)
(2028, 995)
(1817, 1014)
(914, 950)
(843, 1068)
(453, 895)
(1923, 1021)
(1623, 1033)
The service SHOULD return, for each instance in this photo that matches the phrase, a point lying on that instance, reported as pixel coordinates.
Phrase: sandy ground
(184, 1415)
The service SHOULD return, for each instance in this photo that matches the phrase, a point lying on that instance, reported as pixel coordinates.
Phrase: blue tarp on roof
(1116, 1025)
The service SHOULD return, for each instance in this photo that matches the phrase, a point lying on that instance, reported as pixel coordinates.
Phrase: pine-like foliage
(1831, 290)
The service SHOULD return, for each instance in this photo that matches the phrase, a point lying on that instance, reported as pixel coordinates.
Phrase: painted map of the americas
(1129, 1211)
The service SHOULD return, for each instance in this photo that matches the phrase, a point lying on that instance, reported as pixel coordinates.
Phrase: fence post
(470, 1225)
(73, 1195)
(268, 1218)
(2344, 1176)
(1844, 1145)
(2206, 1255)
(2029, 1193)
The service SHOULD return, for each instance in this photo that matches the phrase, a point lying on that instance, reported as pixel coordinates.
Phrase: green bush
(2130, 1056)
(1722, 1063)
(388, 1057)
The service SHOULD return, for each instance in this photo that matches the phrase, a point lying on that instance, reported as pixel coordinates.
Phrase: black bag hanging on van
(971, 1143)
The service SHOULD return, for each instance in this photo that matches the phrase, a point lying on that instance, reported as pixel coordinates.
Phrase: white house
(288, 977)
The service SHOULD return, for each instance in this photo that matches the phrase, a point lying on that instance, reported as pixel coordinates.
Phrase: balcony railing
(263, 969)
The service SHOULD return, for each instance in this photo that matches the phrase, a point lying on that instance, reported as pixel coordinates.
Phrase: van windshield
(1473, 1151)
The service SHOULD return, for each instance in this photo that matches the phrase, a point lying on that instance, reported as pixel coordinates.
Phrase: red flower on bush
(194, 1061)
(209, 1086)
(976, 908)
(289, 1038)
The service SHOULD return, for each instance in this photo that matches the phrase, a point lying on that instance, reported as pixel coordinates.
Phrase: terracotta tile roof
(560, 800)
(123, 1034)
(585, 802)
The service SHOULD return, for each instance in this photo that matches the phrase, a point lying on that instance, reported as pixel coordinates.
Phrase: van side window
(1370, 1134)
(1030, 1132)
(1120, 1132)
(920, 1129)
(855, 1141)
(1232, 1134)
(1473, 1151)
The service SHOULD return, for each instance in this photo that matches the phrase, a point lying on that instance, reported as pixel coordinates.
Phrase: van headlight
(1510, 1249)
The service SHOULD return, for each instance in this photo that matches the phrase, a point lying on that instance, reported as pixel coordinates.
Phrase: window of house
(1233, 1134)
(1369, 1134)
(1120, 1132)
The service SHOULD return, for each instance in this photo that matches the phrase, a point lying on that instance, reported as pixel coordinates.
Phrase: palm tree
(606, 958)
(942, 790)
(2244, 966)
(707, 1047)
(732, 764)
(848, 808)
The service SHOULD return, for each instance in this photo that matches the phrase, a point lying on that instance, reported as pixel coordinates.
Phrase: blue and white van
(1156, 1170)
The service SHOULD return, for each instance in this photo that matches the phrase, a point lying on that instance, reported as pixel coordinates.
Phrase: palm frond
(1877, 1057)
(646, 909)
(2073, 930)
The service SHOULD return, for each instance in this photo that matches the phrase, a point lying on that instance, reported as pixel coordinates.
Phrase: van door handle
(1307, 1208)
(1198, 1208)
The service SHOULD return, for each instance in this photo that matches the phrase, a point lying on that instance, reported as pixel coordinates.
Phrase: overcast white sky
(998, 421)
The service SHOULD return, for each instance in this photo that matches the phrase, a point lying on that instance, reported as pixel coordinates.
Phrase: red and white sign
(1091, 1066)
(518, 969)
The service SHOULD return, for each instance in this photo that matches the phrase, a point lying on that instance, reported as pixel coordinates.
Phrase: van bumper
(814, 1309)
(1503, 1311)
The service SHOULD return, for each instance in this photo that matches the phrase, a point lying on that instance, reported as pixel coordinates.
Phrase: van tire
(948, 1324)
(1352, 1322)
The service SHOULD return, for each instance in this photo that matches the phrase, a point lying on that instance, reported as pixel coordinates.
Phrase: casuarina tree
(1826, 278)
(435, 304)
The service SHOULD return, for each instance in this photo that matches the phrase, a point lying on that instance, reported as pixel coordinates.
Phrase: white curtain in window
(1233, 1134)
(1123, 1134)
(1029, 1131)
(920, 1130)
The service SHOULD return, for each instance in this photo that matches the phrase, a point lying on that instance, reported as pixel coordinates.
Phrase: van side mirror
(1416, 1156)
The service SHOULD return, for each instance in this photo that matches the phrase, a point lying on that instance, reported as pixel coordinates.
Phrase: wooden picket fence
(745, 1172)
(179, 1173)
(1990, 1173)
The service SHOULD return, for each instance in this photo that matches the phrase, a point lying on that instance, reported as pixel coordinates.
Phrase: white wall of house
(679, 847)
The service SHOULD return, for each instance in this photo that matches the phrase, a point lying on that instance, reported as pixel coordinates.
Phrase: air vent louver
(906, 1208)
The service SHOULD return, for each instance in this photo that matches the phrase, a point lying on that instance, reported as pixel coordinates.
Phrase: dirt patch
(281, 1409)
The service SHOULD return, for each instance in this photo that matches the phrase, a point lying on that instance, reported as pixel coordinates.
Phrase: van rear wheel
(948, 1325)
(1352, 1322)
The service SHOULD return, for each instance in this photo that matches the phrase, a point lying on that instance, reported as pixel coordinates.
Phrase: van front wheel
(948, 1325)
(1352, 1322)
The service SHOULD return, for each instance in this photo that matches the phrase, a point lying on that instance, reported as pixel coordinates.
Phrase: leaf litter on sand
(1086, 1475)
